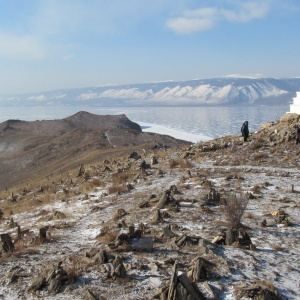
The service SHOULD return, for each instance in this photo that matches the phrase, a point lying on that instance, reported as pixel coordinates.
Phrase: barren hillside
(212, 220)
(34, 150)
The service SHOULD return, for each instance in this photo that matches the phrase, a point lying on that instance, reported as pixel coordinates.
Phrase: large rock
(144, 243)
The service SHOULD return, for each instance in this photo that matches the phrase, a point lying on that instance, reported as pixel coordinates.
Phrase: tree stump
(37, 284)
(198, 271)
(81, 171)
(182, 288)
(119, 269)
(157, 218)
(213, 197)
(173, 283)
(131, 231)
(6, 243)
(232, 235)
(42, 234)
(19, 233)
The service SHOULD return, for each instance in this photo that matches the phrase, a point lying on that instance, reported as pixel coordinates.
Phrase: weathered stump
(198, 271)
(157, 218)
(153, 161)
(19, 233)
(232, 236)
(131, 231)
(42, 234)
(119, 269)
(182, 288)
(37, 284)
(12, 223)
(81, 171)
(6, 243)
(213, 197)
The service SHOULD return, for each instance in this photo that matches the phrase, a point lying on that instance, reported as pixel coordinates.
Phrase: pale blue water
(190, 123)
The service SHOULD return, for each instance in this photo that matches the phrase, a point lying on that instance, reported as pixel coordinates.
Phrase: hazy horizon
(51, 45)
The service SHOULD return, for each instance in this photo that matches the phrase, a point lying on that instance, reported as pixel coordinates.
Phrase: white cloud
(190, 25)
(246, 12)
(12, 46)
(207, 18)
(194, 20)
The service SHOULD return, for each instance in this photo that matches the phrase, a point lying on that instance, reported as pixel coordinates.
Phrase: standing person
(245, 130)
(297, 134)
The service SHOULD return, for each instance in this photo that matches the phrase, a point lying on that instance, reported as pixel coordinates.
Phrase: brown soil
(90, 214)
(30, 151)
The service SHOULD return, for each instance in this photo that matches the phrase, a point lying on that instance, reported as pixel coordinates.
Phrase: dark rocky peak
(88, 120)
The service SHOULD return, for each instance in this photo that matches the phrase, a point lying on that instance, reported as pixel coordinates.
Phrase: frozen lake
(188, 123)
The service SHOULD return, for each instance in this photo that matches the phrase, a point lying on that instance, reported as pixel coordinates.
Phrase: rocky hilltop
(40, 148)
(212, 220)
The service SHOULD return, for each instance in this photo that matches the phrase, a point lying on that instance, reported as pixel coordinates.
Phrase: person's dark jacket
(245, 129)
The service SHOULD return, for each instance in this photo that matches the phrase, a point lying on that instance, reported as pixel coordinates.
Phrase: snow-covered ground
(275, 259)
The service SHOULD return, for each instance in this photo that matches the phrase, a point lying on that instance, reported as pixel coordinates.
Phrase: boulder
(144, 243)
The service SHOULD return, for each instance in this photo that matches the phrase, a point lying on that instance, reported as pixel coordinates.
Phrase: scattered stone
(168, 233)
(145, 243)
(155, 282)
(89, 295)
(153, 266)
(281, 217)
(134, 155)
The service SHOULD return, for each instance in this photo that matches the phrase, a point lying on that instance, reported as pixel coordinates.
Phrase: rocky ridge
(212, 220)
(38, 149)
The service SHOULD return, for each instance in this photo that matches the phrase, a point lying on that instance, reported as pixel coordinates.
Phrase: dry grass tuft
(120, 178)
(117, 189)
(73, 269)
(182, 163)
(249, 215)
(276, 247)
(107, 234)
(260, 155)
(234, 209)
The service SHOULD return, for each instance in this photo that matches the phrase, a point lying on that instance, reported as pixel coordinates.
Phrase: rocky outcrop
(36, 149)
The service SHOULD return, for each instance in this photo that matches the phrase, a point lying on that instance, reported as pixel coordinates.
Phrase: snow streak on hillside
(218, 91)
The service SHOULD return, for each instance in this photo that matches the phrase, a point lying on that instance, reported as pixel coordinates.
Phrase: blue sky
(53, 44)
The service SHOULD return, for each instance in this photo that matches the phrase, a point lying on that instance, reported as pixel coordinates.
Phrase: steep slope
(115, 232)
(34, 150)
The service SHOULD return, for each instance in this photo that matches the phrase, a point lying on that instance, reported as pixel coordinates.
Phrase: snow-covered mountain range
(216, 91)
